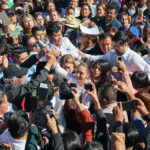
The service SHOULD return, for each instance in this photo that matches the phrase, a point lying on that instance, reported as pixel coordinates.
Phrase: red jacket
(87, 125)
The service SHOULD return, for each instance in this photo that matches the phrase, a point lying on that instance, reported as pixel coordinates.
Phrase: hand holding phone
(88, 87)
(119, 58)
(118, 114)
(72, 86)
(129, 105)
(120, 64)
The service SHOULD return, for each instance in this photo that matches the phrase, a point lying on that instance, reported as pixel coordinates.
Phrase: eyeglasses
(34, 45)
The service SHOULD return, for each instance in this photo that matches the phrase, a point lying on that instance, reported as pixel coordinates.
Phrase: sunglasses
(33, 45)
(131, 36)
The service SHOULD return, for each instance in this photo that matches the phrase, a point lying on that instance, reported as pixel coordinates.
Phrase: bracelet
(118, 123)
(147, 117)
(118, 127)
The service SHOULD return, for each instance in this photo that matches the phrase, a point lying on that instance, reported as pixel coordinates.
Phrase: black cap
(14, 70)
(10, 12)
(148, 17)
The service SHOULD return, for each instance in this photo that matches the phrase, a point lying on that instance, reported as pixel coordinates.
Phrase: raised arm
(95, 57)
(143, 66)
(63, 73)
(15, 91)
(125, 75)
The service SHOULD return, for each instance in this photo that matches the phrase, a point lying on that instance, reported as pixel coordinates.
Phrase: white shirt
(67, 48)
(108, 111)
(93, 9)
(58, 107)
(5, 137)
(132, 60)
(86, 99)
(147, 59)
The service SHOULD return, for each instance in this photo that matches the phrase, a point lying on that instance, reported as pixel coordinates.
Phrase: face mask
(131, 12)
(142, 9)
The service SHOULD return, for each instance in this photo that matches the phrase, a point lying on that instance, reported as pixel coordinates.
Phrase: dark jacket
(16, 92)
(115, 23)
(29, 62)
(56, 142)
(102, 132)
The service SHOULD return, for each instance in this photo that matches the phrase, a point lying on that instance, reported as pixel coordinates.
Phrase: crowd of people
(75, 74)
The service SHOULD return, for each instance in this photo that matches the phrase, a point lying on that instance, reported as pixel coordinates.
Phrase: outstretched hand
(51, 61)
(121, 65)
(94, 96)
(76, 98)
(118, 113)
(141, 107)
(122, 87)
(51, 123)
(4, 62)
(75, 94)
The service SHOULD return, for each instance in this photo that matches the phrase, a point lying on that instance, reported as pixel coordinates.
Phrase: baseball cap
(148, 16)
(14, 70)
(134, 30)
(9, 12)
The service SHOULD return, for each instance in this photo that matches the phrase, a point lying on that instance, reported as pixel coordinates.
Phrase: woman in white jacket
(80, 78)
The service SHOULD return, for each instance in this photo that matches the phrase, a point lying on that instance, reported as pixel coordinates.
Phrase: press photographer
(13, 81)
(43, 119)
(41, 105)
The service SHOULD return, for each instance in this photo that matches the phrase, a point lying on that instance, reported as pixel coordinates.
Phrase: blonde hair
(125, 14)
(67, 59)
(10, 28)
(26, 15)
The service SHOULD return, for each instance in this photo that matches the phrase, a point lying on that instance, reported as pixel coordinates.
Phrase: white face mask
(142, 9)
(131, 12)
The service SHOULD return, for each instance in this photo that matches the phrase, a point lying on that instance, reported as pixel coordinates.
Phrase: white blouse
(86, 99)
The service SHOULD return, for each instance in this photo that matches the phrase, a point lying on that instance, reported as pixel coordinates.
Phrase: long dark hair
(71, 118)
(133, 137)
(90, 15)
(105, 68)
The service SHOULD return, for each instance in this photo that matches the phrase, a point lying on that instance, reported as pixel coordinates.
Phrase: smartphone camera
(119, 58)
(88, 87)
(129, 105)
(73, 85)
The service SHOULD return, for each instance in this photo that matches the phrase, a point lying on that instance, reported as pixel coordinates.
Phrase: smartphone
(73, 85)
(129, 105)
(119, 58)
(88, 87)
(26, 6)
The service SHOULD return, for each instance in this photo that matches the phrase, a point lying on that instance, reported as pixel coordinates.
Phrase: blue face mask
(131, 12)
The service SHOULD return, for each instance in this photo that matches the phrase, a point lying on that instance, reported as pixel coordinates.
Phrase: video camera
(65, 91)
(41, 104)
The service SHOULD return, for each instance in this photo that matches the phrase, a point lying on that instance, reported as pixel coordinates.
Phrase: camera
(65, 91)
(119, 58)
(39, 115)
(129, 105)
(88, 87)
(41, 104)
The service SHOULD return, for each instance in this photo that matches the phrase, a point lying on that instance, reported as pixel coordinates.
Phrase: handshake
(50, 55)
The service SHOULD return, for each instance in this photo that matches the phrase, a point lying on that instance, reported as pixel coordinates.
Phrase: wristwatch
(147, 117)
(118, 124)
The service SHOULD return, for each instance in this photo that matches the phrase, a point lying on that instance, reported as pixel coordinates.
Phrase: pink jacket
(127, 80)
